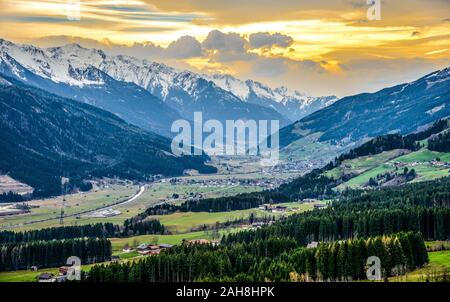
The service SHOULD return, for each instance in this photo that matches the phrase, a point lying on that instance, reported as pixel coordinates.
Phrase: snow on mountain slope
(75, 65)
(51, 63)
(90, 85)
(290, 103)
(231, 84)
(183, 91)
(71, 63)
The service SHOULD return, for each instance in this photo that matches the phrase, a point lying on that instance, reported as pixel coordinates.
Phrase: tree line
(274, 259)
(329, 225)
(51, 247)
(435, 193)
(311, 185)
(98, 230)
(11, 197)
(440, 143)
(437, 127)
(19, 256)
(419, 207)
(378, 145)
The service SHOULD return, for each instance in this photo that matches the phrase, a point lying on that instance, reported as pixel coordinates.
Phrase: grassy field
(75, 203)
(185, 222)
(363, 178)
(119, 243)
(438, 262)
(420, 161)
(432, 245)
(48, 211)
(424, 155)
(24, 276)
(179, 221)
(308, 147)
(362, 164)
(30, 276)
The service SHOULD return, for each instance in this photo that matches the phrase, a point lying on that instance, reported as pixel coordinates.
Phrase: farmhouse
(46, 277)
(309, 200)
(279, 209)
(146, 249)
(274, 209)
(127, 249)
(142, 247)
(165, 246)
(265, 207)
(63, 270)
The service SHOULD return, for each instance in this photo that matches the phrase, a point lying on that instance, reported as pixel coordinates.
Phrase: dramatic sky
(319, 47)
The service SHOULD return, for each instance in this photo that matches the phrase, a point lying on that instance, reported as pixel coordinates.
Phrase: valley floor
(439, 262)
(233, 178)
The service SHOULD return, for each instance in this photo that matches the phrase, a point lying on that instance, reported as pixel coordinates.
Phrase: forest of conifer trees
(54, 253)
(275, 259)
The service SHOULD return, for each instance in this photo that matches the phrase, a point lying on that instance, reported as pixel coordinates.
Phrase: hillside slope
(390, 163)
(44, 137)
(352, 120)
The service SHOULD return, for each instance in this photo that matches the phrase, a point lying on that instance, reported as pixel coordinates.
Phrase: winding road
(131, 199)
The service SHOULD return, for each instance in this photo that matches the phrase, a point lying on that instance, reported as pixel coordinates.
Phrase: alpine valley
(139, 143)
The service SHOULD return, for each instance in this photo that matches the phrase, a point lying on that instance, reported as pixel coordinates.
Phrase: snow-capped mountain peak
(75, 65)
(67, 64)
(231, 84)
(290, 103)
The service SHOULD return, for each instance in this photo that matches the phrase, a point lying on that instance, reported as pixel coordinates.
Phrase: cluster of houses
(265, 183)
(298, 166)
(320, 206)
(145, 249)
(435, 163)
(273, 208)
(61, 276)
(255, 225)
(440, 164)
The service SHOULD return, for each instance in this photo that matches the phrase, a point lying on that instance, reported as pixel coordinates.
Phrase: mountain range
(291, 103)
(105, 115)
(148, 94)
